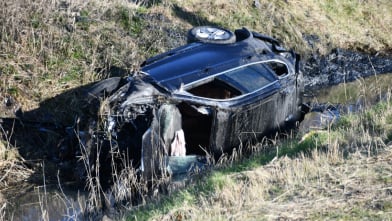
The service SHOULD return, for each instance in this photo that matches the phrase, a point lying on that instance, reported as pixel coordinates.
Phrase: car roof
(195, 61)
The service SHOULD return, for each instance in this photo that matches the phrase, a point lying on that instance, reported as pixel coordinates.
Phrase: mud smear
(342, 66)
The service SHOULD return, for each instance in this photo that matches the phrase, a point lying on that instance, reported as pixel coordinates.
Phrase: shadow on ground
(37, 134)
(192, 18)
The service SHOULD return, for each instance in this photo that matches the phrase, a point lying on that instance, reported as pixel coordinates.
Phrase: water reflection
(363, 91)
(326, 105)
(47, 204)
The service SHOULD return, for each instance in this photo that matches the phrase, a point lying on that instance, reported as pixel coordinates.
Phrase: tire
(211, 34)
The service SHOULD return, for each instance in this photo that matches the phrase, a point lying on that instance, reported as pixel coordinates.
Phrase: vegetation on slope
(317, 186)
(48, 48)
(54, 46)
(57, 45)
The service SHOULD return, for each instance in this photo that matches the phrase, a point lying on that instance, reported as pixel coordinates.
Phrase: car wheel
(210, 34)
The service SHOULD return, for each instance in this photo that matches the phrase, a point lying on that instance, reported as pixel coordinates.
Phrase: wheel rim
(212, 34)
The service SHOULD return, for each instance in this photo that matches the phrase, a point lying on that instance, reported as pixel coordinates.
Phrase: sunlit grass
(343, 169)
(348, 24)
(63, 46)
(362, 91)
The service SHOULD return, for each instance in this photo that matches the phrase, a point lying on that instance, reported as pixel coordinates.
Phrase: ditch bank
(323, 74)
(342, 66)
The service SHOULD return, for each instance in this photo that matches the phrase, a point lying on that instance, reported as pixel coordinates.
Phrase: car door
(250, 116)
(286, 102)
(241, 103)
(250, 121)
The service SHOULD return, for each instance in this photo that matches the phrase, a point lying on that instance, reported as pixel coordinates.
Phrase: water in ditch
(327, 104)
(45, 203)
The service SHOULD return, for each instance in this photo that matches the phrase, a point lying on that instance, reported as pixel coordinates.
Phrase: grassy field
(49, 48)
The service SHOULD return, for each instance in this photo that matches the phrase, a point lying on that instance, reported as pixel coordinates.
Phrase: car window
(235, 82)
(215, 89)
(280, 69)
(250, 78)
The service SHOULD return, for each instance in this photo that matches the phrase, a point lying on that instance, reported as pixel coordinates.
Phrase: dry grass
(349, 24)
(55, 46)
(366, 91)
(324, 186)
(2, 210)
(12, 168)
(342, 173)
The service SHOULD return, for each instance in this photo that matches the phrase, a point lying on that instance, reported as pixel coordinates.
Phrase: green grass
(130, 20)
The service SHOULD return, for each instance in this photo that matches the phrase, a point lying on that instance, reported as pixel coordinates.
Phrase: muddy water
(329, 103)
(365, 91)
(53, 204)
(46, 203)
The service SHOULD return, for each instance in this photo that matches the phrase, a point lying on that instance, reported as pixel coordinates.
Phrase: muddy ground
(342, 66)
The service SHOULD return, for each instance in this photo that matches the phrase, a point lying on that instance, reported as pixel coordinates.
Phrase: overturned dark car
(219, 91)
